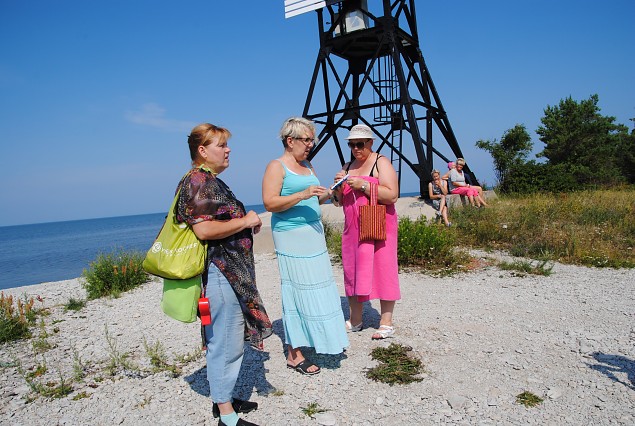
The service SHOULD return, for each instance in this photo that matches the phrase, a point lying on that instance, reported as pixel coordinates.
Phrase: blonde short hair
(460, 161)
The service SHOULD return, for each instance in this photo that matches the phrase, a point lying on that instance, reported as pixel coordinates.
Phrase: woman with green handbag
(217, 217)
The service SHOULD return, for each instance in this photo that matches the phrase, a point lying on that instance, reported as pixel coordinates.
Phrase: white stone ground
(483, 336)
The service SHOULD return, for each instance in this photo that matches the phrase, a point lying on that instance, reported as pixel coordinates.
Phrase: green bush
(423, 244)
(113, 273)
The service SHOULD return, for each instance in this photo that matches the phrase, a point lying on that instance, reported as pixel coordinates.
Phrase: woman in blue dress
(311, 309)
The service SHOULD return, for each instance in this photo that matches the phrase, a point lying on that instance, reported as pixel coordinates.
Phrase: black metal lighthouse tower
(370, 70)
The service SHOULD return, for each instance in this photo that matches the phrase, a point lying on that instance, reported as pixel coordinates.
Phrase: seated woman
(461, 187)
(437, 190)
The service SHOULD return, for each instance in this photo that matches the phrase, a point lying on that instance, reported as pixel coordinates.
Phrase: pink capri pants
(464, 190)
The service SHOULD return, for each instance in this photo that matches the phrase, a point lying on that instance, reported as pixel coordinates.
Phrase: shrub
(426, 245)
(113, 273)
(15, 320)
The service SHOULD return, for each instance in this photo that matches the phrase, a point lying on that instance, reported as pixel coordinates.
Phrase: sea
(57, 251)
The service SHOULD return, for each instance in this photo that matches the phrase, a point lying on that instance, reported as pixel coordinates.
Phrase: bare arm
(219, 229)
(272, 184)
(388, 191)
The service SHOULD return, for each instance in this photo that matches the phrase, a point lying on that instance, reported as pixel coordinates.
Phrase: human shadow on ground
(611, 365)
(251, 377)
(370, 316)
(327, 361)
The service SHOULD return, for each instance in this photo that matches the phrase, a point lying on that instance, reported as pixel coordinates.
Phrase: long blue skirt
(311, 307)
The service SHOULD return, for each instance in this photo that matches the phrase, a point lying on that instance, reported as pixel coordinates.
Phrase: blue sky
(97, 97)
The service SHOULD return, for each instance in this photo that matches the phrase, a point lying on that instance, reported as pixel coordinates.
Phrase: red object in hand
(203, 311)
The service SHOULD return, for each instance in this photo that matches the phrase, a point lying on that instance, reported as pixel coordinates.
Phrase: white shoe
(353, 329)
(383, 332)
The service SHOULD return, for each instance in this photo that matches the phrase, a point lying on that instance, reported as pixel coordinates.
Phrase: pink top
(370, 267)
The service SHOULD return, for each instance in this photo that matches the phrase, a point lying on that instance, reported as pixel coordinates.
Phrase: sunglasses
(358, 145)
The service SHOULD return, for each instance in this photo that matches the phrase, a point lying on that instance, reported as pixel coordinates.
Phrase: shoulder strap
(375, 165)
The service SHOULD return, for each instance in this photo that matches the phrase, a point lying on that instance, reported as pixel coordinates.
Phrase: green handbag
(180, 298)
(177, 253)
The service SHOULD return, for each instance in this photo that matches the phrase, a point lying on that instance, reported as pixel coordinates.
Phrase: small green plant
(277, 392)
(118, 360)
(158, 360)
(48, 389)
(38, 371)
(190, 356)
(113, 273)
(81, 395)
(525, 267)
(528, 399)
(74, 304)
(41, 344)
(79, 369)
(15, 319)
(312, 409)
(395, 365)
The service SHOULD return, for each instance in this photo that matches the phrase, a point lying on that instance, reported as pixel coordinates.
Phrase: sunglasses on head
(358, 145)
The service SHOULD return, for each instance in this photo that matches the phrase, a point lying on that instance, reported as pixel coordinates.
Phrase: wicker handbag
(372, 218)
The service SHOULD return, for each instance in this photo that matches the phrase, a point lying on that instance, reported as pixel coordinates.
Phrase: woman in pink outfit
(370, 267)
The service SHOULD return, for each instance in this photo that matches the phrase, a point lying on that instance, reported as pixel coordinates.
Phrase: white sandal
(383, 332)
(353, 329)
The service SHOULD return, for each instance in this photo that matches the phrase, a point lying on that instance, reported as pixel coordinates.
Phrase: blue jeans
(225, 337)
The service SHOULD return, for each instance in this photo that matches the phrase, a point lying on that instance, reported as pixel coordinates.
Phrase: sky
(97, 97)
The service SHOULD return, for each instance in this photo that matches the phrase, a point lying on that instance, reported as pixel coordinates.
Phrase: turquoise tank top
(303, 213)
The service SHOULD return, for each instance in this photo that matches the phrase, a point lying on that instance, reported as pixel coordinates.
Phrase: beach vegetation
(396, 366)
(16, 318)
(74, 304)
(590, 228)
(79, 368)
(39, 384)
(81, 395)
(114, 273)
(333, 237)
(525, 267)
(528, 399)
(190, 356)
(432, 248)
(312, 409)
(158, 359)
(117, 360)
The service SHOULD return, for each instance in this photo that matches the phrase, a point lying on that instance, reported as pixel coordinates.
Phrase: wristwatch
(363, 188)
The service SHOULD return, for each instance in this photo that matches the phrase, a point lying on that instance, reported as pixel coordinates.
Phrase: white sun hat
(361, 131)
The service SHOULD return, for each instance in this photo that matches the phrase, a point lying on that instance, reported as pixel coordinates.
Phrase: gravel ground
(483, 337)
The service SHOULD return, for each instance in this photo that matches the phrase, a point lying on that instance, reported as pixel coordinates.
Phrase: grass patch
(591, 228)
(528, 399)
(113, 273)
(523, 267)
(395, 365)
(74, 304)
(312, 409)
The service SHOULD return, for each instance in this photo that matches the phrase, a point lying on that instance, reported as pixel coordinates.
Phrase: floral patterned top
(203, 197)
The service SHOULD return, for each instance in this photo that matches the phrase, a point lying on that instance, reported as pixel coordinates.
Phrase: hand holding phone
(339, 182)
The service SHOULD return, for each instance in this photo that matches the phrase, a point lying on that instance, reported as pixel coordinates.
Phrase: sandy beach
(483, 336)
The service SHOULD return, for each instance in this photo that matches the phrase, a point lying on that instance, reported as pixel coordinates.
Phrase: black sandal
(303, 368)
